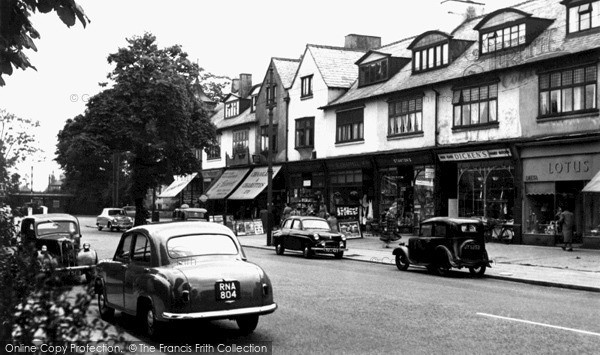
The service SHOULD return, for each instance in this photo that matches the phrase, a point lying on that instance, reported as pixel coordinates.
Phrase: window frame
(230, 111)
(265, 142)
(590, 11)
(461, 103)
(367, 73)
(506, 30)
(306, 86)
(214, 153)
(271, 98)
(425, 63)
(301, 126)
(561, 88)
(394, 113)
(346, 131)
(236, 142)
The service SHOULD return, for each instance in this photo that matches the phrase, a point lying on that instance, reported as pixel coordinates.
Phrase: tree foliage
(149, 115)
(17, 141)
(17, 32)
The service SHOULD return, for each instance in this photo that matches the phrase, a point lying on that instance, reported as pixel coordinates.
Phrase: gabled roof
(556, 44)
(428, 33)
(286, 68)
(218, 118)
(231, 94)
(335, 64)
(369, 53)
(490, 16)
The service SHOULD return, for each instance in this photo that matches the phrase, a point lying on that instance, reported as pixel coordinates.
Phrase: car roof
(50, 217)
(194, 209)
(166, 230)
(307, 217)
(113, 208)
(452, 220)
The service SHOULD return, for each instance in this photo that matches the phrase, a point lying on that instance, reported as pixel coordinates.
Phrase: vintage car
(114, 218)
(190, 214)
(444, 243)
(183, 271)
(57, 239)
(310, 235)
(129, 211)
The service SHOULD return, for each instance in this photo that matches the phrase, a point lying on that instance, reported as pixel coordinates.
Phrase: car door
(295, 236)
(115, 271)
(138, 268)
(285, 232)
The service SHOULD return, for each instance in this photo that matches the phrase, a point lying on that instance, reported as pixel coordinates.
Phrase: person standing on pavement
(287, 210)
(333, 222)
(567, 221)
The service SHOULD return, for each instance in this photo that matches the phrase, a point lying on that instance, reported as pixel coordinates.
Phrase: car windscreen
(194, 215)
(201, 244)
(116, 212)
(426, 230)
(52, 227)
(315, 224)
(468, 228)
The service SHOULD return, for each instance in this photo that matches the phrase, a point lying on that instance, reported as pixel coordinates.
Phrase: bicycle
(499, 230)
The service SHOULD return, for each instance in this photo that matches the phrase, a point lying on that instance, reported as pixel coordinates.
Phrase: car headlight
(316, 236)
(114, 220)
(343, 237)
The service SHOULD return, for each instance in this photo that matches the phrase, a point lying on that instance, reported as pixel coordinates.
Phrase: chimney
(354, 41)
(235, 86)
(245, 85)
(467, 9)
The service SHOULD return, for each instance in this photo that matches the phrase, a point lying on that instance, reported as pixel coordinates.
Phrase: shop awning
(539, 188)
(254, 184)
(181, 181)
(593, 185)
(226, 183)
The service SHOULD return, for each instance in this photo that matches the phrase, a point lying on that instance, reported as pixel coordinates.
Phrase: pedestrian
(287, 210)
(322, 211)
(333, 222)
(567, 222)
(390, 228)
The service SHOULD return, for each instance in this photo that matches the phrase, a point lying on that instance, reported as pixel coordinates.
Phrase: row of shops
(525, 183)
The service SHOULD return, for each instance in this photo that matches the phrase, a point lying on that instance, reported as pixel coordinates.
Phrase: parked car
(180, 271)
(114, 218)
(129, 211)
(190, 214)
(444, 243)
(310, 235)
(57, 239)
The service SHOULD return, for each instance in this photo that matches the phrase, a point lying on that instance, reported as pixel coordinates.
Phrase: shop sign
(475, 155)
(226, 183)
(349, 164)
(424, 182)
(254, 184)
(562, 168)
(403, 159)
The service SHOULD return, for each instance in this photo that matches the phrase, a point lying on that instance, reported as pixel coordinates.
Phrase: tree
(17, 32)
(17, 142)
(213, 86)
(149, 115)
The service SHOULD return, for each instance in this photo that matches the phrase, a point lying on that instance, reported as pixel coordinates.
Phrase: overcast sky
(226, 38)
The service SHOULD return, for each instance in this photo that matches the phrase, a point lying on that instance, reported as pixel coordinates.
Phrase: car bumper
(230, 313)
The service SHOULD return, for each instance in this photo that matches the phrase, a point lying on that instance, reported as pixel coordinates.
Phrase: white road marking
(541, 324)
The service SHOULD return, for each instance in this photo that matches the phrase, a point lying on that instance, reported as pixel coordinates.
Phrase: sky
(225, 38)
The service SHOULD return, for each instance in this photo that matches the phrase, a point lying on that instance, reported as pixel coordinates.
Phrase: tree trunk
(140, 212)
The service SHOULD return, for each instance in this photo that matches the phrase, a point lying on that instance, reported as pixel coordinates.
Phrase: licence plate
(227, 290)
(471, 247)
(331, 250)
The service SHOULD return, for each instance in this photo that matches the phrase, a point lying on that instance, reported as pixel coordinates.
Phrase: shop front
(220, 189)
(485, 183)
(554, 178)
(306, 187)
(406, 187)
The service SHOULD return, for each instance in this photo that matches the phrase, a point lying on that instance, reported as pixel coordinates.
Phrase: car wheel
(442, 269)
(152, 327)
(106, 312)
(402, 261)
(247, 324)
(478, 271)
(279, 249)
(338, 255)
(109, 226)
(99, 226)
(307, 252)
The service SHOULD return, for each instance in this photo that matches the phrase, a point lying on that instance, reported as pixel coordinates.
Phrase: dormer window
(232, 109)
(254, 99)
(431, 58)
(583, 16)
(435, 49)
(375, 67)
(502, 38)
(373, 72)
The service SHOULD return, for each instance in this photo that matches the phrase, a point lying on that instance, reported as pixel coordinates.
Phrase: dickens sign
(475, 155)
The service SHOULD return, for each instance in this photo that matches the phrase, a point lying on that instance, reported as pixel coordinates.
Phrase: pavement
(538, 265)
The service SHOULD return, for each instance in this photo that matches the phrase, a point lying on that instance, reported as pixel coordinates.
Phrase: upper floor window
(350, 125)
(264, 138)
(508, 37)
(214, 152)
(240, 140)
(475, 106)
(373, 72)
(568, 91)
(307, 89)
(254, 99)
(304, 132)
(232, 109)
(405, 116)
(272, 95)
(583, 16)
(431, 57)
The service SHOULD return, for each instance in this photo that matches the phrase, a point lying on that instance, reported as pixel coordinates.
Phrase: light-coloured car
(114, 218)
(168, 272)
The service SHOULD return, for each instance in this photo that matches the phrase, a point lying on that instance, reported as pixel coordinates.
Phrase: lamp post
(270, 105)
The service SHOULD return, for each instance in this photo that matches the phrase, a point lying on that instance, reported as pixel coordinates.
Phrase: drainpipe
(437, 209)
(287, 123)
(436, 131)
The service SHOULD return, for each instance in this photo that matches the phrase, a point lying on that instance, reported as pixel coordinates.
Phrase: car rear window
(201, 244)
(315, 224)
(426, 230)
(116, 212)
(468, 228)
(46, 228)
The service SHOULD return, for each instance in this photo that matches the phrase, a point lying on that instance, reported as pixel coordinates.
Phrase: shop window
(568, 91)
(350, 126)
(475, 106)
(486, 192)
(405, 116)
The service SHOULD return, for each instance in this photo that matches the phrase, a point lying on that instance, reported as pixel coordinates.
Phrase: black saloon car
(310, 235)
(444, 243)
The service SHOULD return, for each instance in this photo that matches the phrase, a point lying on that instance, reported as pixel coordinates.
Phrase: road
(342, 306)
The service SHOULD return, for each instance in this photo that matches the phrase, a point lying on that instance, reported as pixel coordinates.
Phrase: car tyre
(442, 269)
(338, 255)
(402, 261)
(307, 252)
(99, 226)
(247, 324)
(152, 326)
(279, 249)
(478, 271)
(106, 312)
(109, 226)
